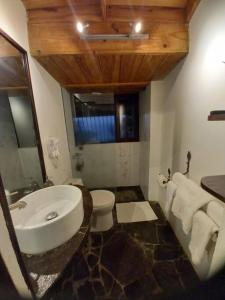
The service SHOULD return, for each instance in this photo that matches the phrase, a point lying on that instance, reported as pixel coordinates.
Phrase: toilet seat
(103, 199)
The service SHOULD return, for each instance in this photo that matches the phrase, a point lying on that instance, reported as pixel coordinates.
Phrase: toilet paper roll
(162, 180)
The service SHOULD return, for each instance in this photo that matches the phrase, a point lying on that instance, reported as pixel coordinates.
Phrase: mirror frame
(3, 201)
(30, 93)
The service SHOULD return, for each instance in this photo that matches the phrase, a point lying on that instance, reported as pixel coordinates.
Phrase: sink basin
(51, 217)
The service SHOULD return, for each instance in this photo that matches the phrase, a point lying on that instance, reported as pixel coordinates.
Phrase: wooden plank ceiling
(119, 66)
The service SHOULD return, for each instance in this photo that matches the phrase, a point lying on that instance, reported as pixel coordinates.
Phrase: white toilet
(103, 203)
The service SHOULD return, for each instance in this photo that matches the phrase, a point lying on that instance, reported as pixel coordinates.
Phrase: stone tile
(149, 253)
(144, 257)
(167, 277)
(166, 235)
(144, 288)
(167, 252)
(108, 234)
(124, 258)
(107, 279)
(126, 196)
(98, 288)
(96, 239)
(187, 273)
(81, 270)
(92, 260)
(95, 273)
(116, 292)
(158, 211)
(67, 290)
(143, 231)
(129, 194)
(85, 292)
(96, 251)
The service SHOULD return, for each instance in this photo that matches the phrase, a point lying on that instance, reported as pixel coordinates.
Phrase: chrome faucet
(19, 204)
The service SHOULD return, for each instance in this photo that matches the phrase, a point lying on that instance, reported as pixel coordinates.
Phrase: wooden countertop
(215, 185)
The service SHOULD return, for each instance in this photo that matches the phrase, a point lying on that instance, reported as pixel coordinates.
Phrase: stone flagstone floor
(131, 261)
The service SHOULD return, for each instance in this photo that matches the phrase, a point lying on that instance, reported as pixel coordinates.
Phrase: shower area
(104, 138)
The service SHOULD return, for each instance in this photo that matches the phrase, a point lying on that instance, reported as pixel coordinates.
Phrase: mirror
(21, 159)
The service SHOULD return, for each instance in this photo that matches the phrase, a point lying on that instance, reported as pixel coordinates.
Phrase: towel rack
(187, 168)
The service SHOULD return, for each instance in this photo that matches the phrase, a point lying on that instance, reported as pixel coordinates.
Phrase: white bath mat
(134, 212)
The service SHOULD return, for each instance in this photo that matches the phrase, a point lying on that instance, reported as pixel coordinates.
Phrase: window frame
(118, 99)
(123, 98)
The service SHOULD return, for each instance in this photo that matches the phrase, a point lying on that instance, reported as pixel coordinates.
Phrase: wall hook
(188, 163)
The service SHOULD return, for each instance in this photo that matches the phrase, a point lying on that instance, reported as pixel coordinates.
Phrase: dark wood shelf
(216, 117)
(215, 185)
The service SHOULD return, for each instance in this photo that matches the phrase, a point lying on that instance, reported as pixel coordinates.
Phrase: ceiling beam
(104, 9)
(61, 38)
(94, 13)
(159, 3)
(108, 87)
(190, 9)
(37, 4)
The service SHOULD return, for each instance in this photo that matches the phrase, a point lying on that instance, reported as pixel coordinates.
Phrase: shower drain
(52, 215)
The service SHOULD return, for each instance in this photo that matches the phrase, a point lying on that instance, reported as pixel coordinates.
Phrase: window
(105, 119)
(127, 116)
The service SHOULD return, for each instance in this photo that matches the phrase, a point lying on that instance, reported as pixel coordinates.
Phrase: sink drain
(52, 215)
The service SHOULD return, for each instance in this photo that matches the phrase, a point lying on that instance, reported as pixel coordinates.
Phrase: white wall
(144, 132)
(47, 92)
(69, 126)
(187, 96)
(196, 88)
(48, 101)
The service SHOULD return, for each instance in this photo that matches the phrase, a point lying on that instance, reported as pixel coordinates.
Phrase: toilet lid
(102, 198)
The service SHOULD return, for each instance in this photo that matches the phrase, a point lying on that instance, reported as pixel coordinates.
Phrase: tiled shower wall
(110, 165)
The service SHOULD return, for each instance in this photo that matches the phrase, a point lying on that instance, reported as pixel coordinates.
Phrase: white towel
(202, 231)
(179, 179)
(187, 201)
(215, 211)
(170, 194)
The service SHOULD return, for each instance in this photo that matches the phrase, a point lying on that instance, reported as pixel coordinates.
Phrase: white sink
(51, 217)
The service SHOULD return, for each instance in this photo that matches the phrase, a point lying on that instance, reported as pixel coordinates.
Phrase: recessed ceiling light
(138, 27)
(80, 27)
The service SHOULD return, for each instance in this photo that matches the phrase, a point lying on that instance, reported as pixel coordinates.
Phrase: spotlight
(137, 27)
(80, 27)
